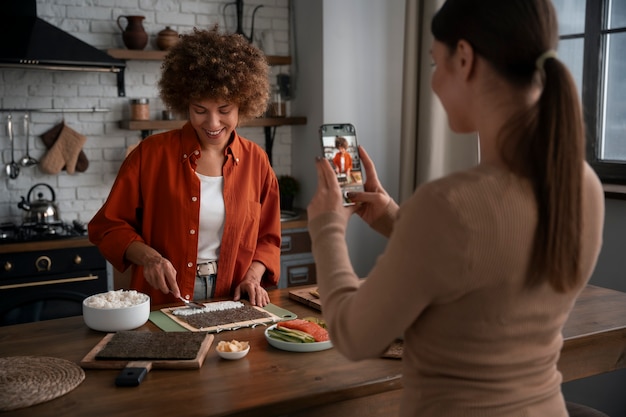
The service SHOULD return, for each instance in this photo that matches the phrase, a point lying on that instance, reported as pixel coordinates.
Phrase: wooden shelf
(177, 124)
(138, 55)
(267, 123)
(153, 55)
(274, 121)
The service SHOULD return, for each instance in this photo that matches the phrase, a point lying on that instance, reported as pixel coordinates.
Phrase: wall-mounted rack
(152, 55)
(53, 110)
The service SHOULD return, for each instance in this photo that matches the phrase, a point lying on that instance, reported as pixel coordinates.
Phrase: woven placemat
(30, 380)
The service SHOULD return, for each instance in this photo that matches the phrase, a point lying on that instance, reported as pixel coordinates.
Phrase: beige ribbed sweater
(476, 343)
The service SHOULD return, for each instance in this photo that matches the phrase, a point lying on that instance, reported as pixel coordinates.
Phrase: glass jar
(140, 109)
(277, 106)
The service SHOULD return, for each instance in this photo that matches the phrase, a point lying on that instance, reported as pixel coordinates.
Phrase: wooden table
(595, 334)
(272, 382)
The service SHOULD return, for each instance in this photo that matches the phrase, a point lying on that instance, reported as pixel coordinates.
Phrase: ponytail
(557, 152)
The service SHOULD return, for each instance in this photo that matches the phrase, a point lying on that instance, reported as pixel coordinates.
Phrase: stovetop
(34, 232)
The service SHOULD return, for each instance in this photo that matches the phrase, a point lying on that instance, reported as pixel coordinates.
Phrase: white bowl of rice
(117, 310)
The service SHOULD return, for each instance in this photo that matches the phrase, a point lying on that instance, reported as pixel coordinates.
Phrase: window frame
(592, 86)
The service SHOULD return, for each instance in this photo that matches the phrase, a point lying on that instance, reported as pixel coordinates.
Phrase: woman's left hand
(251, 285)
(328, 196)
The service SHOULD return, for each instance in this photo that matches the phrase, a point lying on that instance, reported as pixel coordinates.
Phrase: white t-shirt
(212, 215)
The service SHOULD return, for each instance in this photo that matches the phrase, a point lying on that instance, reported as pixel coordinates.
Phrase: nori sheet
(223, 317)
(130, 345)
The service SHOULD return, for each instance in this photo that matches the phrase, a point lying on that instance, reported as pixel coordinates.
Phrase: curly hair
(341, 142)
(208, 65)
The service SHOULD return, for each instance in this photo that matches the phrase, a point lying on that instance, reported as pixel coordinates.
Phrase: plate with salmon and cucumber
(308, 334)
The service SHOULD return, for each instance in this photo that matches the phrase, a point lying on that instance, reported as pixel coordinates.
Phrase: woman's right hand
(161, 274)
(157, 270)
(372, 203)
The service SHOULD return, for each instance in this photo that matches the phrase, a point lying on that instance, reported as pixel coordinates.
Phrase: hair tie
(550, 53)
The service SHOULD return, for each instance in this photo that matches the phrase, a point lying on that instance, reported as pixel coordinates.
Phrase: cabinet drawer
(297, 270)
(295, 242)
(303, 274)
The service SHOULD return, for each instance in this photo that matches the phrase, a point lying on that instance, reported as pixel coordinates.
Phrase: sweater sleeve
(425, 255)
(384, 224)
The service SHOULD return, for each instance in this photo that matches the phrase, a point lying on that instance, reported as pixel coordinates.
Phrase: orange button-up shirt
(155, 199)
(347, 161)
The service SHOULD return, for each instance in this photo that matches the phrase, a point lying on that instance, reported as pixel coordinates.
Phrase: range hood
(29, 42)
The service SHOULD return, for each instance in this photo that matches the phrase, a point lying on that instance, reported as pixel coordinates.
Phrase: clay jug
(167, 38)
(134, 36)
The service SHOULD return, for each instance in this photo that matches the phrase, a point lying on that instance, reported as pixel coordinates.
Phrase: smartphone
(340, 147)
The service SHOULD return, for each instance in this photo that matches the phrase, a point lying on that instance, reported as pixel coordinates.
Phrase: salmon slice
(319, 333)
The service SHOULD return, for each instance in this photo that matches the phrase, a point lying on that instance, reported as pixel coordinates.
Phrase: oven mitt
(50, 137)
(66, 148)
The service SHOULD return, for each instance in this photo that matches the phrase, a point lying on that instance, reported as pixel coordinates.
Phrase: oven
(45, 273)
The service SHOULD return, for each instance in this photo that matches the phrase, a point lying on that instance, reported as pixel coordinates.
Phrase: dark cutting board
(303, 295)
(90, 361)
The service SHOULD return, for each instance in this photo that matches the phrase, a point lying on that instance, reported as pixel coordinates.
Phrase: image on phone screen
(340, 147)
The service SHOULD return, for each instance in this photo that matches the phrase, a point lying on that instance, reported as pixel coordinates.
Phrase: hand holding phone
(341, 149)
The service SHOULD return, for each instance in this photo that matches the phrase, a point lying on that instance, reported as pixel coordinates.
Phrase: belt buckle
(207, 268)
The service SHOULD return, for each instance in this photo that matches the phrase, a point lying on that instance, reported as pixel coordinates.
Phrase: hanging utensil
(27, 161)
(12, 168)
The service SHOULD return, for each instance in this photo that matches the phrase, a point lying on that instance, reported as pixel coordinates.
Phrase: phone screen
(340, 147)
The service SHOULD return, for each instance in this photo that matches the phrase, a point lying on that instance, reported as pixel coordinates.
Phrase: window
(593, 46)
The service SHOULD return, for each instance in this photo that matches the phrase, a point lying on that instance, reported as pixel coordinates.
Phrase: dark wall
(19, 8)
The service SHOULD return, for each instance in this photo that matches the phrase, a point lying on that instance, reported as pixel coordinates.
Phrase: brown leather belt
(206, 268)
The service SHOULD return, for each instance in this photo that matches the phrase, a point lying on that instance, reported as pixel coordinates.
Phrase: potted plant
(288, 187)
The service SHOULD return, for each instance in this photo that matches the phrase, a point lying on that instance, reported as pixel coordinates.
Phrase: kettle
(40, 211)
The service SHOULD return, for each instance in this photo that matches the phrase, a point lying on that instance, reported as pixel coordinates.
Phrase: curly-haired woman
(196, 210)
(342, 159)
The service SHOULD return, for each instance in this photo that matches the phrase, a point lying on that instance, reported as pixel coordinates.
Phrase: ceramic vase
(134, 35)
(167, 38)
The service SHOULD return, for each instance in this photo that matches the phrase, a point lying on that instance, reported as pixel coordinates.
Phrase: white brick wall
(80, 195)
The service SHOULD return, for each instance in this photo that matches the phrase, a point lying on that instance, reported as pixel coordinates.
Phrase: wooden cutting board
(304, 295)
(91, 362)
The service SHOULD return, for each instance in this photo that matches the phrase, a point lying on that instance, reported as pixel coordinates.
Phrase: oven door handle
(43, 263)
(90, 277)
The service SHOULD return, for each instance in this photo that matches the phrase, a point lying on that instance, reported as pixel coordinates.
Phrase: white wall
(79, 196)
(353, 76)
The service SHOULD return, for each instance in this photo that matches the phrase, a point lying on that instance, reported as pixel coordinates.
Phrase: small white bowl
(233, 355)
(113, 319)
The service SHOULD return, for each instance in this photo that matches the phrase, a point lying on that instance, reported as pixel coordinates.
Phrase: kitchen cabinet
(297, 266)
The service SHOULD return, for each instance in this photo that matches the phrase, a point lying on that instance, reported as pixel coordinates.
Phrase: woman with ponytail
(483, 266)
